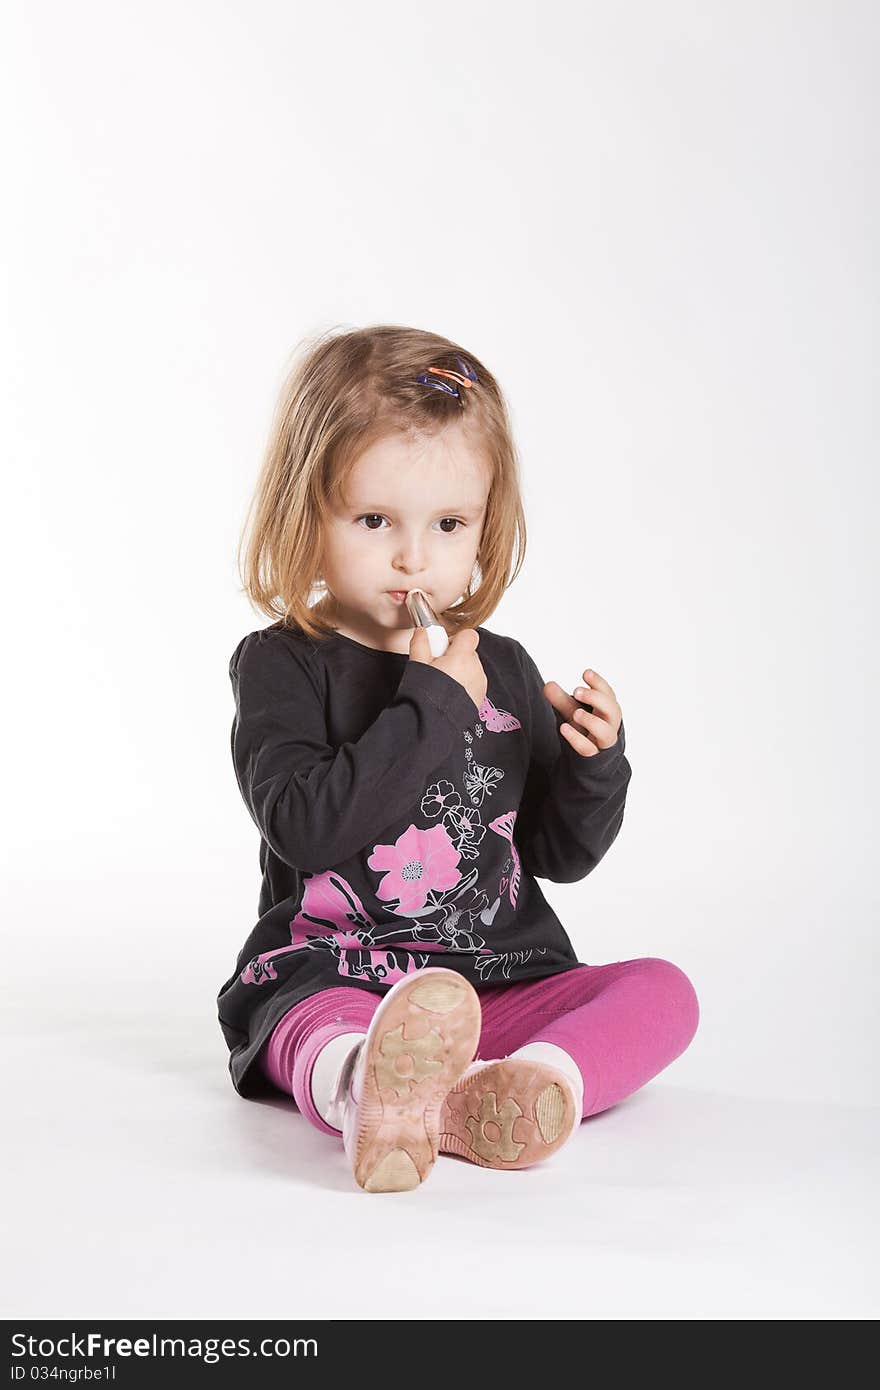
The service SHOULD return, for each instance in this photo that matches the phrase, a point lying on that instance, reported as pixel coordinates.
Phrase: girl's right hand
(460, 660)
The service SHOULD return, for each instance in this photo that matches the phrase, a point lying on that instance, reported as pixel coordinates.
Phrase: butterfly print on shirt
(503, 825)
(479, 781)
(498, 721)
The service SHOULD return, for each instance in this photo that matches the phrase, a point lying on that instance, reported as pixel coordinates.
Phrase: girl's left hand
(594, 732)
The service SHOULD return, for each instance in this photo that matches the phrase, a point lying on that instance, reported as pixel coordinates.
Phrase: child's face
(412, 518)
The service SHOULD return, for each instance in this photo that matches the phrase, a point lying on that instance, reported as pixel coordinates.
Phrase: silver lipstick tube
(420, 609)
(423, 615)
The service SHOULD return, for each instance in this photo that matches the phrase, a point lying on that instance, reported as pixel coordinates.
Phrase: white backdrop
(655, 223)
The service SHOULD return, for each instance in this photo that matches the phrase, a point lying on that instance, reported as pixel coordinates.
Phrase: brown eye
(454, 521)
(369, 516)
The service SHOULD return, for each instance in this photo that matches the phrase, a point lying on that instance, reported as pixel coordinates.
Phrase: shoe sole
(421, 1038)
(510, 1114)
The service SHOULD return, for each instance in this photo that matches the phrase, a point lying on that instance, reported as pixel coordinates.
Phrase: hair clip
(438, 385)
(468, 379)
(468, 370)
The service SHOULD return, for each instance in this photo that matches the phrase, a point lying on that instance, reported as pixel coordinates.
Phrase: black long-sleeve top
(400, 826)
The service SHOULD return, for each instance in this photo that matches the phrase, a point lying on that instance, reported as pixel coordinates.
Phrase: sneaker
(393, 1084)
(508, 1113)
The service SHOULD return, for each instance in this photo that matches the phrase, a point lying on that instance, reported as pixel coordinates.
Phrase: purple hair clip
(438, 385)
(466, 378)
(467, 369)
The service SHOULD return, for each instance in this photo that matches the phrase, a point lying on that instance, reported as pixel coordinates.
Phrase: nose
(409, 559)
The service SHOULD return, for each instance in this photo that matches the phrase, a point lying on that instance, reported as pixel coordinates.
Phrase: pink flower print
(439, 798)
(466, 829)
(500, 721)
(418, 861)
(349, 940)
(329, 903)
(330, 909)
(503, 825)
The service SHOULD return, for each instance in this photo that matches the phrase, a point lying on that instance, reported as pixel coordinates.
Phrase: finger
(595, 700)
(597, 682)
(598, 699)
(603, 733)
(578, 741)
(560, 699)
(420, 647)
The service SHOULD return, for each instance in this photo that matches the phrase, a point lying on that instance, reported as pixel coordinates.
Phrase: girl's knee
(681, 993)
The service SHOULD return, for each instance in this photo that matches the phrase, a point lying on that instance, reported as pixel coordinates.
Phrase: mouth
(399, 595)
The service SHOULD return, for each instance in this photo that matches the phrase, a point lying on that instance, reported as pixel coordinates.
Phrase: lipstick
(424, 616)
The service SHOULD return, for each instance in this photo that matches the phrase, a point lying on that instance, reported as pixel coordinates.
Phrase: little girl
(407, 982)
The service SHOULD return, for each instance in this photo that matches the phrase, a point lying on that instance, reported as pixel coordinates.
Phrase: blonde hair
(348, 389)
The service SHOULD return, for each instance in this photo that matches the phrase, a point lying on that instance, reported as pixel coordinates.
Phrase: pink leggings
(622, 1023)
